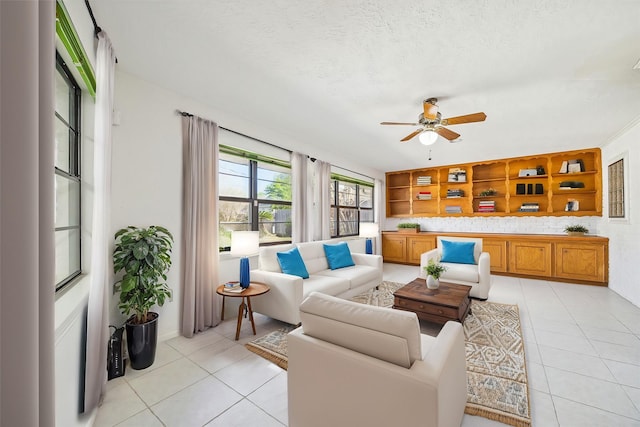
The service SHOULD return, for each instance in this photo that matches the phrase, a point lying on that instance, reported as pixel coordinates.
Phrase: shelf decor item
(243, 244)
(576, 230)
(144, 256)
(488, 192)
(409, 227)
(434, 270)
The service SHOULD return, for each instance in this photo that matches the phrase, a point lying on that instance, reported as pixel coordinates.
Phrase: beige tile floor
(582, 348)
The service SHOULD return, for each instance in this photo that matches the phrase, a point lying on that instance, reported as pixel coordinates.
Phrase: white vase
(432, 282)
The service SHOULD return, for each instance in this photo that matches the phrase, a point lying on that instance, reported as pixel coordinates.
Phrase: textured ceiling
(550, 75)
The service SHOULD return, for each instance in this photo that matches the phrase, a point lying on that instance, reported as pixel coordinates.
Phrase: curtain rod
(96, 28)
(313, 159)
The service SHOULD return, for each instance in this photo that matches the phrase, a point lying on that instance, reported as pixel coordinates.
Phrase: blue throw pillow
(338, 256)
(458, 252)
(291, 263)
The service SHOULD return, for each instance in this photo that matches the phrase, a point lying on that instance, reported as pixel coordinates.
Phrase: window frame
(625, 188)
(253, 200)
(74, 172)
(335, 182)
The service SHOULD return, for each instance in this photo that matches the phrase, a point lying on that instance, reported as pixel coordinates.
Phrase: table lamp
(243, 244)
(369, 230)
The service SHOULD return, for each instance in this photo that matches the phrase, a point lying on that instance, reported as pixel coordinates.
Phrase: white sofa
(477, 275)
(288, 291)
(353, 364)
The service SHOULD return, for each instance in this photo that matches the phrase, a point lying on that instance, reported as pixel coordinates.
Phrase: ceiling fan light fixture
(428, 137)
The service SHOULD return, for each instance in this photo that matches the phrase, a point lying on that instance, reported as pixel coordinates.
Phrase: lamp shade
(369, 229)
(428, 137)
(244, 243)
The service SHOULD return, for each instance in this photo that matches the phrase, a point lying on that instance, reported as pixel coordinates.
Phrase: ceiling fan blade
(430, 110)
(411, 135)
(446, 133)
(468, 118)
(399, 123)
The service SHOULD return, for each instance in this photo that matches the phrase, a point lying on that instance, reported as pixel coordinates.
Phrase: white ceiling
(551, 75)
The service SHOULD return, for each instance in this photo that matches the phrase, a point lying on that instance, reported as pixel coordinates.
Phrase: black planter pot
(142, 341)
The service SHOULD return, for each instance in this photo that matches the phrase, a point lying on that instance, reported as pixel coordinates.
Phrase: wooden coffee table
(448, 302)
(254, 289)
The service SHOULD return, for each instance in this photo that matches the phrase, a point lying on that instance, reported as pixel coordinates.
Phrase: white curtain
(27, 64)
(323, 178)
(301, 202)
(378, 215)
(201, 304)
(101, 261)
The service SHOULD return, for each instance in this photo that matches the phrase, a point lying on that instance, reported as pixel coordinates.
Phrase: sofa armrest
(283, 300)
(370, 260)
(433, 254)
(484, 276)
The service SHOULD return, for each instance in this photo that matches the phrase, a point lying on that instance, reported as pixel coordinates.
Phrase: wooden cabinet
(394, 248)
(556, 257)
(581, 260)
(497, 249)
(416, 246)
(530, 258)
(558, 184)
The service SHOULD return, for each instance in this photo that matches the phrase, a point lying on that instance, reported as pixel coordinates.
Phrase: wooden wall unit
(555, 257)
(547, 188)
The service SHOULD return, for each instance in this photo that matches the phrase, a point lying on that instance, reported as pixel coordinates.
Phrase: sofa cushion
(324, 284)
(380, 332)
(338, 256)
(357, 274)
(268, 260)
(313, 256)
(463, 272)
(291, 263)
(458, 252)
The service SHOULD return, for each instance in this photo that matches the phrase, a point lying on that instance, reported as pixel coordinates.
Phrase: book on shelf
(454, 192)
(423, 180)
(453, 209)
(529, 207)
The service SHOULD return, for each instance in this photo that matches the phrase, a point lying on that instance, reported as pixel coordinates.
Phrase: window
(616, 189)
(67, 175)
(254, 194)
(351, 204)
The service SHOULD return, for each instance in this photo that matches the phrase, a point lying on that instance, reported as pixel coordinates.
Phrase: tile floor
(582, 348)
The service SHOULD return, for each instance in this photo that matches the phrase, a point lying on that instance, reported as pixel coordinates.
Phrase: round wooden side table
(254, 289)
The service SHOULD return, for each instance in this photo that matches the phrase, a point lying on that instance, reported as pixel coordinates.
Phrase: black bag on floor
(115, 364)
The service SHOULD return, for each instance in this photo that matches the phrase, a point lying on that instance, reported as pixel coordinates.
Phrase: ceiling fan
(433, 124)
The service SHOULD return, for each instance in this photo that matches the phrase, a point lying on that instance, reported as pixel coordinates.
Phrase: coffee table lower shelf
(449, 302)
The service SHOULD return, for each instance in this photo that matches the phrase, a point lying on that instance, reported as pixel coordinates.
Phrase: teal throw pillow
(291, 263)
(338, 256)
(458, 252)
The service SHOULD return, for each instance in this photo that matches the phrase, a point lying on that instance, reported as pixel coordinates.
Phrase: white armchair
(477, 275)
(353, 364)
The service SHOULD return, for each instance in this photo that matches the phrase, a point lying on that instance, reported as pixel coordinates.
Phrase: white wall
(624, 236)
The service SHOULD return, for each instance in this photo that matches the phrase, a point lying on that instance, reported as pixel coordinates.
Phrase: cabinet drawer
(423, 307)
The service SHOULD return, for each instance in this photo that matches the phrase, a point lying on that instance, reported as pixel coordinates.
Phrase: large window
(67, 175)
(351, 204)
(254, 194)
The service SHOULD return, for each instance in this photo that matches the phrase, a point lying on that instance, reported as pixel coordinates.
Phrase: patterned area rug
(496, 371)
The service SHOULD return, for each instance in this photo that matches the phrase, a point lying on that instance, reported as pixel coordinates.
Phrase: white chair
(353, 364)
(477, 275)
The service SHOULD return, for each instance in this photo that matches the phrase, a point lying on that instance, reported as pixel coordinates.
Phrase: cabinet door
(497, 249)
(531, 258)
(394, 248)
(418, 245)
(580, 261)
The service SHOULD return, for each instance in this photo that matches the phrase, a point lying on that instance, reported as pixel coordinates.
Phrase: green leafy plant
(409, 225)
(488, 192)
(144, 255)
(434, 269)
(577, 228)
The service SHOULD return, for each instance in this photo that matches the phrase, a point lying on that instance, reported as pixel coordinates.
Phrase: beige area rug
(496, 370)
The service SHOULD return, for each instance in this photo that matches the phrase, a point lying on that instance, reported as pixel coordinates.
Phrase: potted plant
(144, 256)
(434, 270)
(576, 230)
(408, 227)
